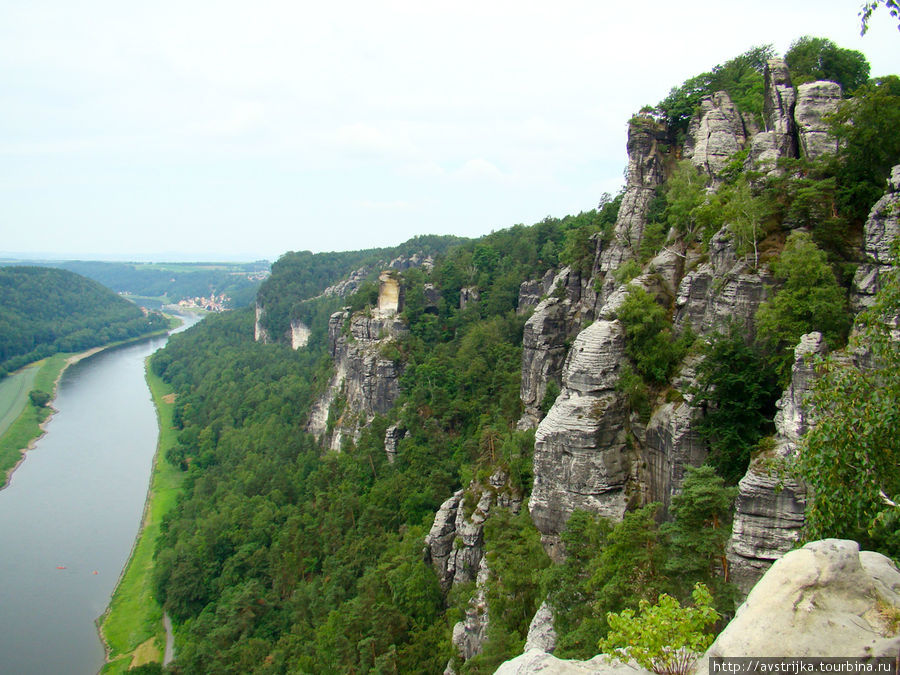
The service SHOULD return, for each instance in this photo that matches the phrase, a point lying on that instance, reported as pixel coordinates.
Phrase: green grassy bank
(132, 627)
(26, 428)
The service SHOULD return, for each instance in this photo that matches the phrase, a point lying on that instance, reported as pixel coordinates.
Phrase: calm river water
(71, 512)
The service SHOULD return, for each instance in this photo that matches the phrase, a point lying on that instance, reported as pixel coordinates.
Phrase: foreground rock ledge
(825, 599)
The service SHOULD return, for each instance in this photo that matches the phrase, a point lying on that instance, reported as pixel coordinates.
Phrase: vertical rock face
(468, 295)
(455, 548)
(531, 292)
(778, 107)
(392, 436)
(363, 379)
(769, 511)
(555, 321)
(814, 101)
(260, 334)
(455, 543)
(580, 454)
(881, 230)
(299, 334)
(716, 132)
(644, 174)
(390, 294)
(720, 290)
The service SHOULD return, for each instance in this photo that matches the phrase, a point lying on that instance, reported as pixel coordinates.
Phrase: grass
(132, 625)
(27, 426)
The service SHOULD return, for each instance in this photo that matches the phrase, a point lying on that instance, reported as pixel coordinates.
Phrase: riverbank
(28, 428)
(132, 628)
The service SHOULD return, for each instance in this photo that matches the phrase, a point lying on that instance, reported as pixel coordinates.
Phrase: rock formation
(778, 108)
(299, 334)
(455, 548)
(715, 133)
(722, 290)
(364, 382)
(555, 322)
(881, 231)
(825, 599)
(814, 101)
(580, 453)
(770, 507)
(645, 173)
(538, 661)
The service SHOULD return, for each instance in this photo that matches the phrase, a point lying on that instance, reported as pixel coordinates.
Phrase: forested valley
(304, 549)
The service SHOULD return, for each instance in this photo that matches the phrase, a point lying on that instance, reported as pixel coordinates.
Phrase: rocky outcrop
(825, 599)
(580, 453)
(541, 633)
(555, 322)
(779, 101)
(722, 290)
(260, 334)
(364, 382)
(455, 544)
(880, 232)
(815, 100)
(392, 437)
(770, 507)
(467, 296)
(645, 173)
(533, 291)
(299, 334)
(538, 661)
(715, 133)
(349, 285)
(455, 548)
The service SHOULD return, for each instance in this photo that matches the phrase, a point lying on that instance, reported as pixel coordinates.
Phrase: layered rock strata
(770, 507)
(580, 453)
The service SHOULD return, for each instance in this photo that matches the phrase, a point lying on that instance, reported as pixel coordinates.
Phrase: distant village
(214, 303)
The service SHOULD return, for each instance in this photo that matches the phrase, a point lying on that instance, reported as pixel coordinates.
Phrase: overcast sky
(186, 129)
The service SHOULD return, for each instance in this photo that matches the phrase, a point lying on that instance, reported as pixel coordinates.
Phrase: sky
(189, 130)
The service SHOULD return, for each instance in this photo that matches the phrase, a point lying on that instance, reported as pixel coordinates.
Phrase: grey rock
(392, 437)
(770, 507)
(349, 285)
(580, 455)
(432, 297)
(533, 291)
(764, 152)
(769, 515)
(260, 334)
(469, 634)
(368, 382)
(541, 633)
(715, 133)
(644, 174)
(814, 101)
(670, 444)
(794, 416)
(455, 543)
(538, 661)
(719, 291)
(555, 322)
(825, 599)
(881, 230)
(779, 100)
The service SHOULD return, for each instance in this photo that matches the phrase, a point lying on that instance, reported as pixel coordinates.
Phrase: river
(71, 512)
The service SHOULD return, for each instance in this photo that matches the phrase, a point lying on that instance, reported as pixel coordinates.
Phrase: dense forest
(282, 556)
(45, 310)
(171, 282)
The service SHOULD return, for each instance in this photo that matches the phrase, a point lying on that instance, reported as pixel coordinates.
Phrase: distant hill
(154, 284)
(46, 310)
